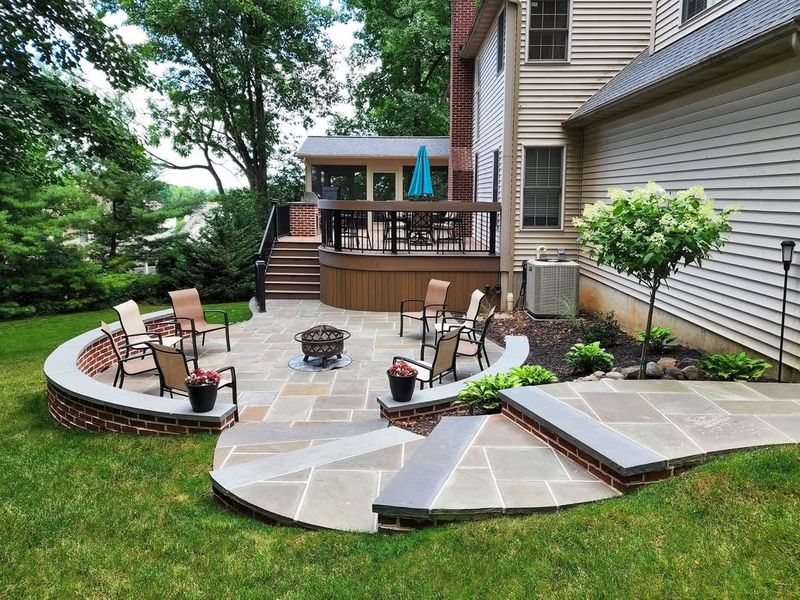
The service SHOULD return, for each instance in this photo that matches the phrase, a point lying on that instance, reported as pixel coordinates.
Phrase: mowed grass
(102, 515)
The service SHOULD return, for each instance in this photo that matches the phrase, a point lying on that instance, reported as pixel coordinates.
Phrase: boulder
(630, 372)
(667, 363)
(615, 375)
(691, 372)
(654, 371)
(687, 362)
(674, 373)
(599, 374)
(590, 378)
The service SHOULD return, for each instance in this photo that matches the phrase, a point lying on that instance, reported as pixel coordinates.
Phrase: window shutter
(542, 188)
(501, 40)
(495, 174)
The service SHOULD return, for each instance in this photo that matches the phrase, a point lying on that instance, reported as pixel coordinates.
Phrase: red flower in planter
(203, 377)
(402, 369)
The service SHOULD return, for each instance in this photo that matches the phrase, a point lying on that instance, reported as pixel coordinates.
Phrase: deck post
(394, 231)
(337, 230)
(493, 233)
(261, 296)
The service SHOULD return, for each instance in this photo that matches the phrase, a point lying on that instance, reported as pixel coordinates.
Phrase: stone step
(473, 467)
(615, 458)
(250, 441)
(326, 486)
(291, 286)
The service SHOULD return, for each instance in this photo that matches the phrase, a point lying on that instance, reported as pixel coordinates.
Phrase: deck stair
(293, 269)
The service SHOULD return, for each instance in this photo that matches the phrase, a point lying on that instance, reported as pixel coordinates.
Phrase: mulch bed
(550, 339)
(424, 424)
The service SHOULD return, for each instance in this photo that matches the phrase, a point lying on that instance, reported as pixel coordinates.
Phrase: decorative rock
(599, 374)
(614, 375)
(630, 372)
(654, 371)
(691, 372)
(688, 362)
(667, 363)
(674, 373)
(591, 378)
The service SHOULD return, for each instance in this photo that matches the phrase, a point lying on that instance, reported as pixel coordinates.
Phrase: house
(370, 167)
(571, 98)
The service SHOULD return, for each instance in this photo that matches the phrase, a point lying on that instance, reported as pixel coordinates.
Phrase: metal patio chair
(444, 359)
(131, 365)
(191, 316)
(173, 369)
(447, 319)
(434, 302)
(135, 330)
(474, 344)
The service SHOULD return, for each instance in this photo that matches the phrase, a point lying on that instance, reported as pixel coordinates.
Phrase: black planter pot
(202, 397)
(402, 387)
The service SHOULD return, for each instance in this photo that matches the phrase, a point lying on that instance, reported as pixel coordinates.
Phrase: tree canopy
(234, 73)
(409, 41)
(45, 109)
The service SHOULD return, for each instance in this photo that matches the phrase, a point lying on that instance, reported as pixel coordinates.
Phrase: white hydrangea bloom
(668, 223)
(639, 225)
(657, 239)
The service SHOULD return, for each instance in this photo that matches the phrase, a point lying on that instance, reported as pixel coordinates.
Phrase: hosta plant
(660, 338)
(532, 375)
(484, 392)
(649, 234)
(733, 367)
(587, 358)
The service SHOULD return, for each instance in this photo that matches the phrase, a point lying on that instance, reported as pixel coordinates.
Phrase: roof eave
(672, 83)
(481, 26)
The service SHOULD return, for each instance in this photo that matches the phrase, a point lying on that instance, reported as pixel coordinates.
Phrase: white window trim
(562, 210)
(710, 9)
(527, 32)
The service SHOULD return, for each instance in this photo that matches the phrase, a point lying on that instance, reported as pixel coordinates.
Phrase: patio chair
(449, 230)
(434, 302)
(420, 229)
(136, 333)
(469, 319)
(475, 344)
(444, 359)
(131, 365)
(191, 316)
(173, 369)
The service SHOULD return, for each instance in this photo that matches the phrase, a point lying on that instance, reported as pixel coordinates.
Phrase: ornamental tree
(649, 234)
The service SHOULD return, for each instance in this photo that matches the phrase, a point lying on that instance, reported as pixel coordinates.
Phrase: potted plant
(402, 380)
(202, 386)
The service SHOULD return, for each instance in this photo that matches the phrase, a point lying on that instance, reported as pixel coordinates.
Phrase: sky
(342, 35)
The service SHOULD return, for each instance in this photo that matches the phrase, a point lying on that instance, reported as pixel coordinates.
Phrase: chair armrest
(426, 306)
(179, 319)
(403, 303)
(224, 313)
(231, 369)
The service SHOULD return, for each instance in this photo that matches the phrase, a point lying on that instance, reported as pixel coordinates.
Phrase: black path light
(787, 251)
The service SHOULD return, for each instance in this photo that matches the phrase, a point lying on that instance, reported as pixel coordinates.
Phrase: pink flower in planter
(203, 377)
(402, 369)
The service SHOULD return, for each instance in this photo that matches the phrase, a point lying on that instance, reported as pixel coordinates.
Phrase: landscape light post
(787, 251)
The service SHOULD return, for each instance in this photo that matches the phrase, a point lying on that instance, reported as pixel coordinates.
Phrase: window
(339, 182)
(438, 179)
(542, 191)
(692, 8)
(501, 39)
(548, 29)
(383, 186)
(495, 174)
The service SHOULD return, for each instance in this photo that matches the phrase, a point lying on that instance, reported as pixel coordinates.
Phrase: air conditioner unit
(551, 287)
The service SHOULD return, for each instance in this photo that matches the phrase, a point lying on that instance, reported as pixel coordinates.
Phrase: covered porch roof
(396, 147)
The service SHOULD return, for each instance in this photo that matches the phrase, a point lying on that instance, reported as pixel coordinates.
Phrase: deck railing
(410, 227)
(278, 224)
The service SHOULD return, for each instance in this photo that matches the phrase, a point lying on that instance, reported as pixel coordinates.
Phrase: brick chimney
(460, 170)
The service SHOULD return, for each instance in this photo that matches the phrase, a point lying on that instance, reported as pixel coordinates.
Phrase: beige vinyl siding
(604, 37)
(669, 26)
(488, 122)
(738, 139)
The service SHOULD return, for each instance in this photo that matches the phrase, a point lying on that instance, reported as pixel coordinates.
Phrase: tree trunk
(646, 342)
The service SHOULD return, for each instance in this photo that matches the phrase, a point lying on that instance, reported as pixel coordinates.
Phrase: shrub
(587, 358)
(532, 375)
(660, 338)
(732, 367)
(649, 234)
(603, 329)
(119, 287)
(484, 392)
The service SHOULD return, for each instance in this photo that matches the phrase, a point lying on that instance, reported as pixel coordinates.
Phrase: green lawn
(100, 515)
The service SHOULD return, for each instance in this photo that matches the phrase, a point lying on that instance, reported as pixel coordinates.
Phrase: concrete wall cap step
(415, 487)
(245, 434)
(618, 452)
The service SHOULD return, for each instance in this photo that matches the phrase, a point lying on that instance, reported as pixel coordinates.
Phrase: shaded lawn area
(103, 515)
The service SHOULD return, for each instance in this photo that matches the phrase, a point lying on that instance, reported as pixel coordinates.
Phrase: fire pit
(323, 342)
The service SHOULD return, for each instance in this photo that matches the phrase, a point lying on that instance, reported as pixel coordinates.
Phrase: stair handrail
(262, 256)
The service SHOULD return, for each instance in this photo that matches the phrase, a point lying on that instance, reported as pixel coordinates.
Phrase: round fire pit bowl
(323, 342)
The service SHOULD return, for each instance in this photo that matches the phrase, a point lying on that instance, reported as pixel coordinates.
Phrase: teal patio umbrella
(421, 184)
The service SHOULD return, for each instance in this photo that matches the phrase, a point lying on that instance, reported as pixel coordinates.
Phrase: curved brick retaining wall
(78, 401)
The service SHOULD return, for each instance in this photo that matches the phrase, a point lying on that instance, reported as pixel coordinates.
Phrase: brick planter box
(78, 401)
